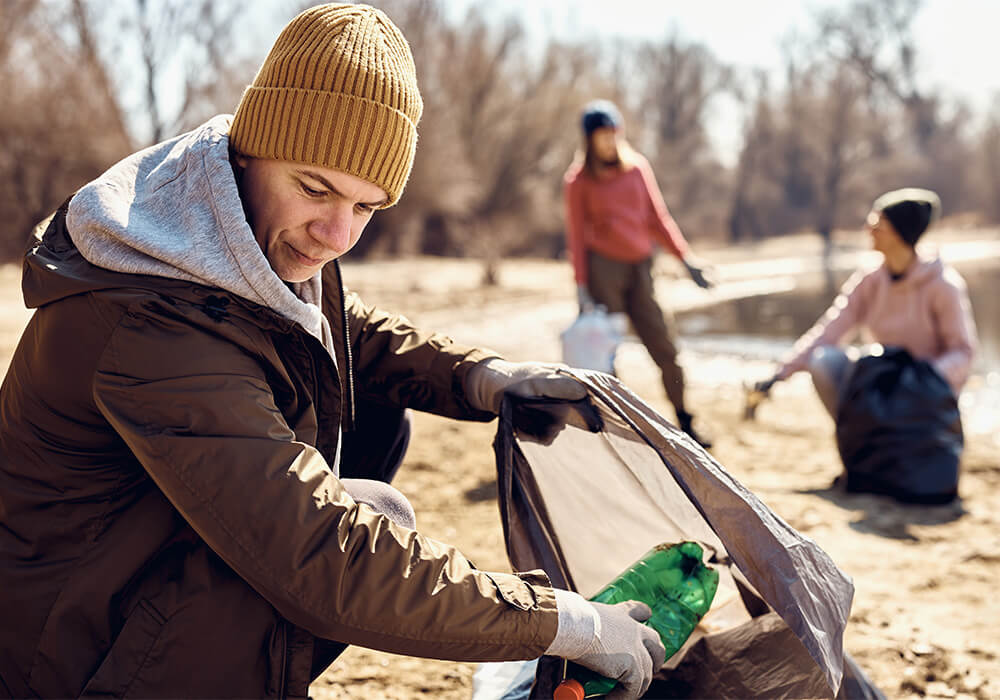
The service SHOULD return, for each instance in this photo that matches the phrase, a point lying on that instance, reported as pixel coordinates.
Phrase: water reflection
(775, 320)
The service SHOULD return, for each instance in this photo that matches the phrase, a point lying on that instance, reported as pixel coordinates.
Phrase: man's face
(304, 216)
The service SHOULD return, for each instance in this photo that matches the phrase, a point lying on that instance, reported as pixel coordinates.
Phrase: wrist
(578, 625)
(481, 382)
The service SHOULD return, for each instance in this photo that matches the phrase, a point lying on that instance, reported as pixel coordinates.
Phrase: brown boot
(685, 421)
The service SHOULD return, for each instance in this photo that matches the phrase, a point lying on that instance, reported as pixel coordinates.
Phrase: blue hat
(600, 113)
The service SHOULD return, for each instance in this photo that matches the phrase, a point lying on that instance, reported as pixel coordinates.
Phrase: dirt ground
(926, 613)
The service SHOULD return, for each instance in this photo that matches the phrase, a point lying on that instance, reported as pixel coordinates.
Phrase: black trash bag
(591, 496)
(899, 431)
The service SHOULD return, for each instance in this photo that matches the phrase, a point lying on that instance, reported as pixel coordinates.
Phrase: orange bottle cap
(569, 689)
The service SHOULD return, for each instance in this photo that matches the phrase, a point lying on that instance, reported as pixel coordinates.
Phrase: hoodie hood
(921, 271)
(173, 210)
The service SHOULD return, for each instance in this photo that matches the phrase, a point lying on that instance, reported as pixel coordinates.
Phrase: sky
(957, 39)
(958, 52)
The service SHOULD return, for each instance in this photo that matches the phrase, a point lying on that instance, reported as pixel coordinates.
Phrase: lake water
(778, 319)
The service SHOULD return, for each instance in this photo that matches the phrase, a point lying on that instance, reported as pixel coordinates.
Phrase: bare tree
(501, 109)
(841, 147)
(679, 83)
(512, 126)
(493, 145)
(64, 120)
(56, 129)
(989, 166)
(91, 62)
(875, 37)
(755, 194)
(192, 39)
(16, 14)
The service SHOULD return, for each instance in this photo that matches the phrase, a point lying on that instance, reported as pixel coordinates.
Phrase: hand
(624, 649)
(583, 298)
(700, 275)
(755, 395)
(764, 386)
(487, 382)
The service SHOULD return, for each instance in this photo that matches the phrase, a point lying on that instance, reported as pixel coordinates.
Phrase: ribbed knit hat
(338, 90)
(598, 114)
(910, 211)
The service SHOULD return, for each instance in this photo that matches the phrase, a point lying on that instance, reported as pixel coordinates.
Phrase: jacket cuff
(578, 625)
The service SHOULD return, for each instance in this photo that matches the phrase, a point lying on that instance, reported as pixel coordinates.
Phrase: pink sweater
(927, 312)
(619, 217)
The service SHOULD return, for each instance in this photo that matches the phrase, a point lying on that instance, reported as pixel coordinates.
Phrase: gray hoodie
(173, 210)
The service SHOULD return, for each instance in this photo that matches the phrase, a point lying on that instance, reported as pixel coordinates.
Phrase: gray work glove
(489, 379)
(611, 642)
(583, 298)
(625, 650)
(701, 276)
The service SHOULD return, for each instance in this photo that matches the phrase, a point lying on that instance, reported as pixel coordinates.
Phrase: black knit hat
(600, 113)
(910, 211)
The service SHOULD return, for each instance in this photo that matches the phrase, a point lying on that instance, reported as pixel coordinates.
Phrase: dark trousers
(373, 451)
(628, 288)
(375, 448)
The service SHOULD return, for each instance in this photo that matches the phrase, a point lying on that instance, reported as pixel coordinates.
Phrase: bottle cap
(569, 689)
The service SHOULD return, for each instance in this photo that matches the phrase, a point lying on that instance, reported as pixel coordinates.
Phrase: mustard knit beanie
(338, 90)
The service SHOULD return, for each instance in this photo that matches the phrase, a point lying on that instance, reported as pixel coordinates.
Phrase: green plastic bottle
(672, 580)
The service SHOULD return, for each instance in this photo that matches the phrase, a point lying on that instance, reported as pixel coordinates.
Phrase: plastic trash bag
(899, 431)
(592, 339)
(585, 500)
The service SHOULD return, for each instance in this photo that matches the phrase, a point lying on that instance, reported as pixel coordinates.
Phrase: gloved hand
(583, 298)
(764, 386)
(756, 394)
(623, 649)
(488, 380)
(700, 275)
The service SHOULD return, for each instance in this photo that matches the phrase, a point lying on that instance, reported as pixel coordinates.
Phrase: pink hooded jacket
(927, 312)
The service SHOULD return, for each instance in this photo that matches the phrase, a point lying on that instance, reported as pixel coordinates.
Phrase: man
(614, 216)
(195, 379)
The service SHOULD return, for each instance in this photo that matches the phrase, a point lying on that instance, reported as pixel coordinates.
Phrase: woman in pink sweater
(909, 302)
(615, 216)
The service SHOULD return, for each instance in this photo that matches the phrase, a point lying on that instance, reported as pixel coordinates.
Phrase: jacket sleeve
(956, 330)
(843, 316)
(397, 363)
(667, 231)
(209, 434)
(576, 222)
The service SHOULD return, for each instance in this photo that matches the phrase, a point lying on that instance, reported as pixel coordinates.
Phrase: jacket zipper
(351, 419)
(282, 690)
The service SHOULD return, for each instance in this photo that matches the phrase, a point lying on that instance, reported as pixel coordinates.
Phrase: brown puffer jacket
(169, 522)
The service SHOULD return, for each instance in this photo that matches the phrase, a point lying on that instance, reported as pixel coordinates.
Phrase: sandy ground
(926, 612)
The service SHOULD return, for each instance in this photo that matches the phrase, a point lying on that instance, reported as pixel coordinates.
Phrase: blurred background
(766, 123)
(761, 119)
